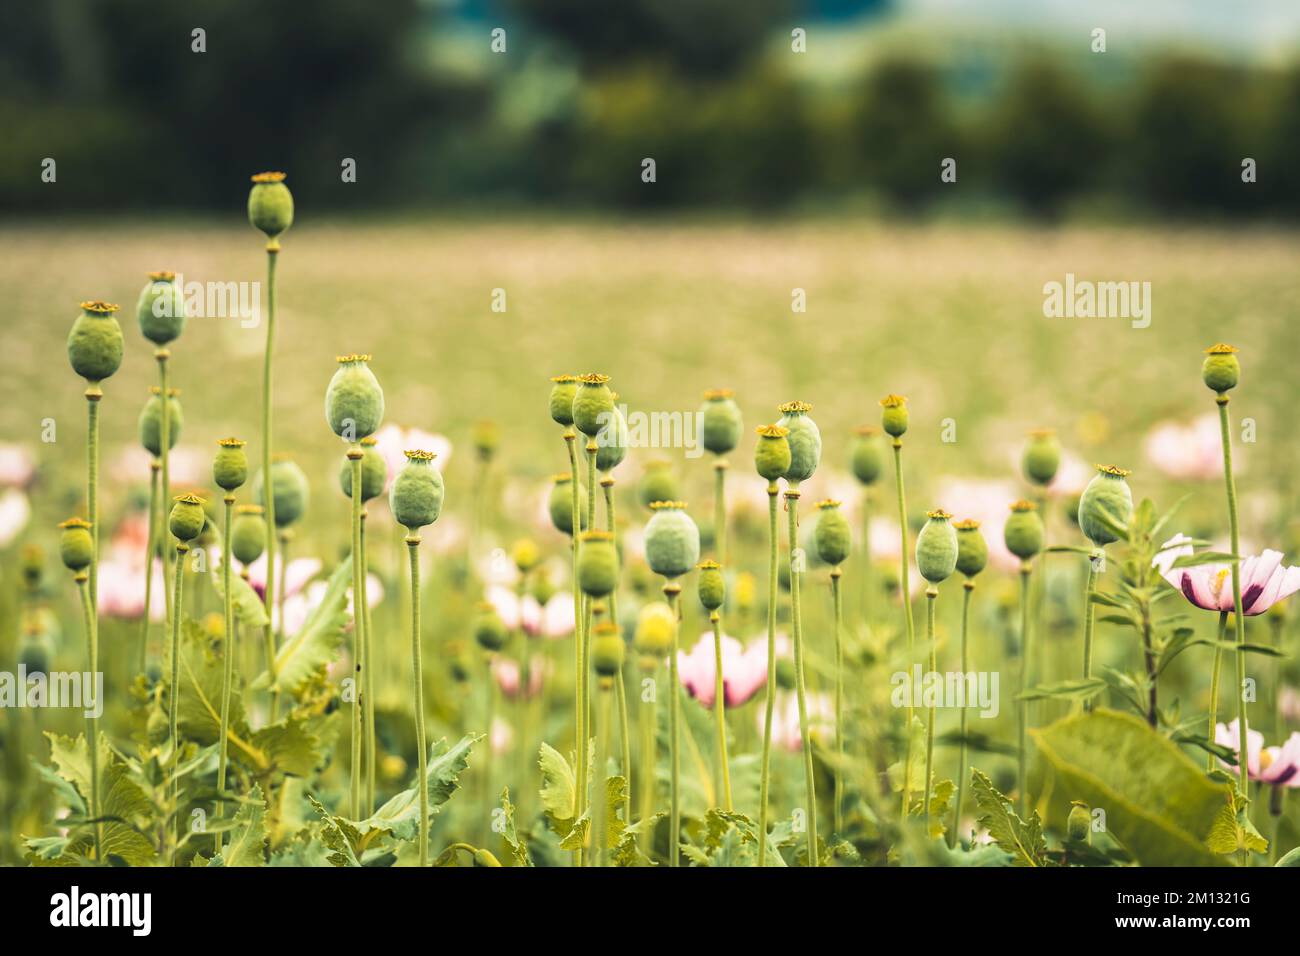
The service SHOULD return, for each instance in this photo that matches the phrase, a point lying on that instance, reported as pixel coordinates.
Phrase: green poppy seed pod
(230, 467)
(1107, 496)
(270, 204)
(593, 404)
(805, 441)
(597, 564)
(33, 565)
(832, 536)
(187, 518)
(1221, 368)
(563, 388)
(893, 415)
(149, 425)
(374, 472)
(1023, 532)
(76, 546)
(485, 858)
(34, 655)
(720, 421)
(655, 625)
(1078, 825)
(936, 547)
(786, 675)
(611, 443)
(292, 492)
(489, 630)
(95, 342)
(486, 436)
(543, 588)
(459, 664)
(416, 496)
(560, 504)
(607, 649)
(672, 539)
(354, 402)
(657, 484)
(161, 308)
(712, 585)
(972, 549)
(1042, 456)
(525, 554)
(868, 455)
(772, 453)
(248, 534)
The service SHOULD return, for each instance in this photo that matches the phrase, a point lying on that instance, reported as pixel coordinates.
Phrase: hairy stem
(228, 658)
(967, 587)
(417, 673)
(770, 694)
(720, 711)
(796, 620)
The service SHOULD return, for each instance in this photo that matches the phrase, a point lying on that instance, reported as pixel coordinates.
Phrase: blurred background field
(481, 173)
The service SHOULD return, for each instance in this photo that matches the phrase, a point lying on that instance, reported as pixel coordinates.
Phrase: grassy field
(949, 315)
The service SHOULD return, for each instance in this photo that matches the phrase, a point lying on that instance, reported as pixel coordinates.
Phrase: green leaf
(315, 644)
(400, 816)
(516, 848)
(339, 836)
(558, 788)
(1158, 803)
(249, 610)
(248, 834)
(125, 810)
(1203, 557)
(1291, 859)
(1023, 840)
(290, 746)
(1082, 689)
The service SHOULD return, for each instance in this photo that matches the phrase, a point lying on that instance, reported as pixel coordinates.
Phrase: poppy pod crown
(593, 404)
(893, 415)
(1221, 369)
(805, 441)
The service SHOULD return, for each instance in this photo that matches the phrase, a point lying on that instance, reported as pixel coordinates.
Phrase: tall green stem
(175, 703)
(931, 596)
(417, 673)
(93, 396)
(600, 817)
(150, 549)
(770, 693)
(228, 658)
(268, 482)
(164, 456)
(648, 729)
(838, 606)
(358, 628)
(671, 591)
(1239, 621)
(796, 620)
(1022, 706)
(720, 510)
(866, 556)
(967, 587)
(1214, 687)
(368, 673)
(579, 665)
(720, 711)
(607, 483)
(906, 592)
(92, 723)
(1089, 616)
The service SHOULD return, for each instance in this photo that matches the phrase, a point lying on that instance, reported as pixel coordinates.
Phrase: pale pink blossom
(555, 620)
(15, 511)
(988, 502)
(186, 465)
(393, 441)
(744, 669)
(1193, 451)
(17, 466)
(1277, 765)
(300, 571)
(1264, 581)
(785, 719)
(506, 672)
(501, 736)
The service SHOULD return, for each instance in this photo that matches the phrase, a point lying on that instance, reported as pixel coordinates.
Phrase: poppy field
(593, 545)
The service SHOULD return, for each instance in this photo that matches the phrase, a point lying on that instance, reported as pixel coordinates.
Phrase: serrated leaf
(1081, 689)
(124, 808)
(1023, 840)
(338, 835)
(516, 848)
(248, 608)
(290, 747)
(317, 641)
(400, 816)
(557, 791)
(248, 833)
(1159, 804)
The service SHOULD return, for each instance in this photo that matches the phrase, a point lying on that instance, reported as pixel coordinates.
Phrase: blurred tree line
(114, 92)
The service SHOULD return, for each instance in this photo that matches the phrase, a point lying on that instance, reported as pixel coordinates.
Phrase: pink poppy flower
(744, 669)
(1193, 451)
(506, 672)
(555, 620)
(393, 441)
(785, 719)
(1278, 766)
(14, 514)
(1264, 581)
(17, 466)
(986, 502)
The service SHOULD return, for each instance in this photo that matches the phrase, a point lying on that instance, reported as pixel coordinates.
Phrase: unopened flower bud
(76, 546)
(1221, 368)
(832, 536)
(1107, 497)
(893, 415)
(525, 554)
(95, 342)
(655, 625)
(936, 547)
